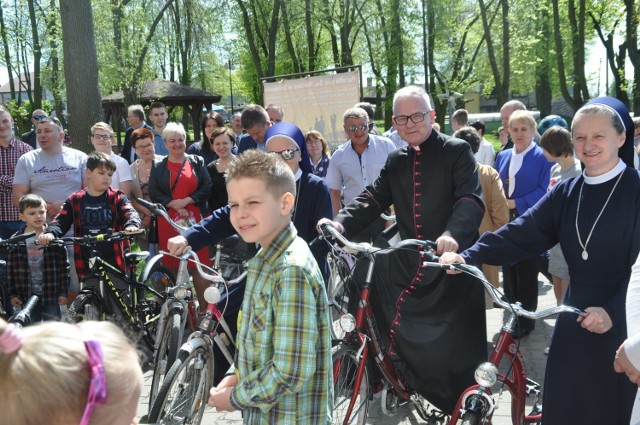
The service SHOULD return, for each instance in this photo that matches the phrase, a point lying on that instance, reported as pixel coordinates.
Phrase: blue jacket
(532, 179)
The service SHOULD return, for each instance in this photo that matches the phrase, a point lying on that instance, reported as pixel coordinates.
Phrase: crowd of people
(555, 198)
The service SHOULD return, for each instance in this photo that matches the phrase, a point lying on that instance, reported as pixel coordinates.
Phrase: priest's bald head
(413, 115)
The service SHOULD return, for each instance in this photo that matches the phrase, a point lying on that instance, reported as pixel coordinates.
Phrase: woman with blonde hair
(319, 153)
(59, 374)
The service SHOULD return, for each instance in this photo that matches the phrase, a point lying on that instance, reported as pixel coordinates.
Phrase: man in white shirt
(357, 163)
(485, 155)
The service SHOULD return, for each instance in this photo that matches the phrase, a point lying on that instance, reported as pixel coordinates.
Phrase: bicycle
(177, 311)
(352, 372)
(179, 308)
(185, 390)
(109, 293)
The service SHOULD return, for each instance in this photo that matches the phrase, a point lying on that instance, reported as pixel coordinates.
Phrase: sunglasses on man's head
(362, 127)
(287, 154)
(39, 117)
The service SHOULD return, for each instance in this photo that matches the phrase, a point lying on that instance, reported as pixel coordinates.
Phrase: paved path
(531, 346)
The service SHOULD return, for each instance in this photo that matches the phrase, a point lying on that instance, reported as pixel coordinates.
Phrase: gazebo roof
(167, 92)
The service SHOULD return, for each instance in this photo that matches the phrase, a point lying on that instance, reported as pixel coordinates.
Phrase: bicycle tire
(85, 307)
(338, 291)
(470, 418)
(166, 354)
(345, 367)
(185, 391)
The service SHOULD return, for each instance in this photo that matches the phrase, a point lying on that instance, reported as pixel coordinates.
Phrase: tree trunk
(574, 102)
(311, 42)
(544, 93)
(289, 41)
(632, 14)
(37, 56)
(7, 54)
(614, 61)
(81, 70)
(53, 32)
(502, 91)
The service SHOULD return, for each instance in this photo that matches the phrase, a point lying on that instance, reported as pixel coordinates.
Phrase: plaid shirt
(284, 346)
(8, 159)
(123, 213)
(55, 273)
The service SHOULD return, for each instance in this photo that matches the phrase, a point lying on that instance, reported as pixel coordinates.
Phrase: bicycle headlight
(181, 293)
(347, 322)
(212, 295)
(486, 374)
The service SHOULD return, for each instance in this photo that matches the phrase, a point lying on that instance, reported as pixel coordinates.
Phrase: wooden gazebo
(158, 90)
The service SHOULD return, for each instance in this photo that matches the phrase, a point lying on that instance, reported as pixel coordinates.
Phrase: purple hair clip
(11, 339)
(98, 385)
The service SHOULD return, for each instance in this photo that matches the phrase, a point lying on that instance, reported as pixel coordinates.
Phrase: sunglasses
(361, 127)
(39, 117)
(287, 154)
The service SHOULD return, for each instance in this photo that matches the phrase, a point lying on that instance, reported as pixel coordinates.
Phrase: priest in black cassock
(433, 324)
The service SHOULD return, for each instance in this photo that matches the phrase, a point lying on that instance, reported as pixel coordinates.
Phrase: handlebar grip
(23, 317)
(17, 239)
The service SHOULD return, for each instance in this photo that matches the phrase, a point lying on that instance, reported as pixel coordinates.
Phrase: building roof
(167, 92)
(18, 82)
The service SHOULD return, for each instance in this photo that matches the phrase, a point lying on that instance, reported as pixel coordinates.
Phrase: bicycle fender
(195, 343)
(149, 266)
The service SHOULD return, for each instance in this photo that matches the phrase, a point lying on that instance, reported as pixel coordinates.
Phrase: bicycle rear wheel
(167, 351)
(84, 307)
(345, 370)
(185, 390)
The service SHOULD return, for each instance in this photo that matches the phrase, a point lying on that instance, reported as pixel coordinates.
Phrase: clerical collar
(619, 168)
(298, 174)
(524, 152)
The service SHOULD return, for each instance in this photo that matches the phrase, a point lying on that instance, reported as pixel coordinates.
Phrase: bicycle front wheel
(345, 373)
(185, 390)
(167, 351)
(470, 418)
(84, 307)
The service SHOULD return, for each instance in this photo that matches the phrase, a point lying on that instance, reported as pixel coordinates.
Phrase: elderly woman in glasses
(142, 143)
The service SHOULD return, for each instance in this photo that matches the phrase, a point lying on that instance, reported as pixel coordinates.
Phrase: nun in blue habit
(596, 219)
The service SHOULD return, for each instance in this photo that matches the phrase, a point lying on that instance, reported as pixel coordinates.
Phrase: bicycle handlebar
(14, 240)
(495, 295)
(330, 232)
(160, 210)
(189, 253)
(92, 239)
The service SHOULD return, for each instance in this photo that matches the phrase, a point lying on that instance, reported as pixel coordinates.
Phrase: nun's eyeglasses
(287, 154)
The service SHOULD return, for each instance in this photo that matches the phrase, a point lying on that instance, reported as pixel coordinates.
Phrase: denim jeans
(45, 312)
(7, 229)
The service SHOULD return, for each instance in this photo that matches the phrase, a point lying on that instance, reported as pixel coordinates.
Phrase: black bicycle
(108, 293)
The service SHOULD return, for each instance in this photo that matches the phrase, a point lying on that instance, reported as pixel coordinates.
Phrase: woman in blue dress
(596, 219)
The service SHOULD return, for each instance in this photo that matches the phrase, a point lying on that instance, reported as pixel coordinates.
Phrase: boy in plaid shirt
(94, 210)
(35, 271)
(283, 371)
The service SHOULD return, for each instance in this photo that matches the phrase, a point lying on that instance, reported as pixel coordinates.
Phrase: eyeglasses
(313, 142)
(102, 136)
(142, 147)
(39, 117)
(287, 154)
(415, 118)
(361, 127)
